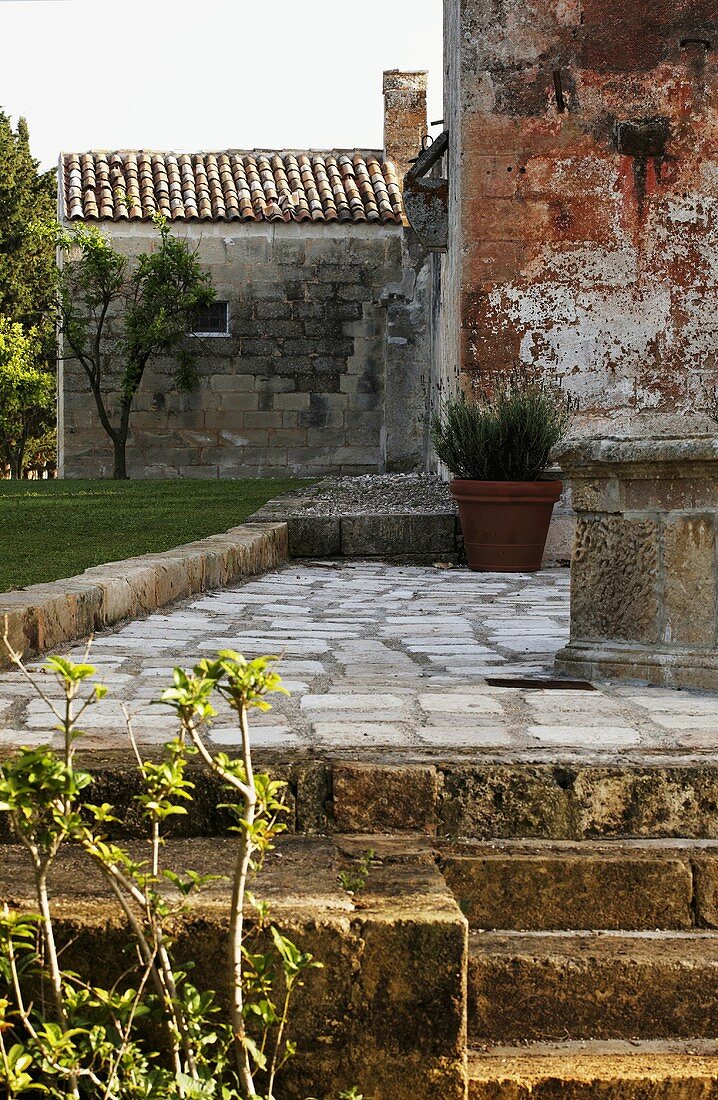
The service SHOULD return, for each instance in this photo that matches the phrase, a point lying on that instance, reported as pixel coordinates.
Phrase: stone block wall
(584, 201)
(324, 369)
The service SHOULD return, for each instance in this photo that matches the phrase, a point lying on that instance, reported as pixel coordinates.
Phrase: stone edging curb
(43, 616)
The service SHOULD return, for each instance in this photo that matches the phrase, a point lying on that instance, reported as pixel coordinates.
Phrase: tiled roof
(232, 186)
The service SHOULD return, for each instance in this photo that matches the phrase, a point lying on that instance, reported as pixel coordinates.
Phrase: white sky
(210, 74)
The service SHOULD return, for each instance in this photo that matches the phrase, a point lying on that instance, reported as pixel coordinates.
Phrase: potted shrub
(497, 444)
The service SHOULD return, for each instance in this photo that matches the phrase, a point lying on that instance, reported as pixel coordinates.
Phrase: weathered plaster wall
(324, 371)
(584, 199)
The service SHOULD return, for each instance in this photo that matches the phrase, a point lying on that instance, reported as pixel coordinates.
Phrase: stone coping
(43, 616)
(638, 458)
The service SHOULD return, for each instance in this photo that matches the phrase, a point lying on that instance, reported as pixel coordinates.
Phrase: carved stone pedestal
(644, 577)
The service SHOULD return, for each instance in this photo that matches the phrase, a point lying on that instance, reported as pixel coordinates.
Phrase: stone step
(368, 528)
(579, 985)
(387, 1011)
(509, 796)
(553, 885)
(596, 1071)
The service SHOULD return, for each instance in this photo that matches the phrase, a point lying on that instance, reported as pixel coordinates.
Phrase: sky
(192, 75)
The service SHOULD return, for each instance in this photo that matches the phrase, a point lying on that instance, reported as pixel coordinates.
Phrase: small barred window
(211, 320)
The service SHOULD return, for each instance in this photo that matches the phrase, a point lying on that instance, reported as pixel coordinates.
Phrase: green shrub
(79, 1041)
(505, 431)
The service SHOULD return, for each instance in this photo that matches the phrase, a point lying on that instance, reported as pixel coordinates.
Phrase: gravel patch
(374, 494)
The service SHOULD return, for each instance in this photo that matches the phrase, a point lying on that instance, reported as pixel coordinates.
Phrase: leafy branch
(91, 1045)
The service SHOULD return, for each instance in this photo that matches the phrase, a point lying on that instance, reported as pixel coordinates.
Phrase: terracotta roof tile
(232, 186)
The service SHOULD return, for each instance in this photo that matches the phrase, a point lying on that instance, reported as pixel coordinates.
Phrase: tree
(27, 392)
(152, 304)
(27, 258)
(27, 249)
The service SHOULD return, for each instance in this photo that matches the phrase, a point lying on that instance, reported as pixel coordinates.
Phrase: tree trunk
(16, 466)
(12, 457)
(119, 439)
(120, 445)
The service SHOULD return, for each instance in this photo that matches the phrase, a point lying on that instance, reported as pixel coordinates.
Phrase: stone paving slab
(383, 659)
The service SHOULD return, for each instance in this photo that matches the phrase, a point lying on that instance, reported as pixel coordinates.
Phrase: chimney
(405, 122)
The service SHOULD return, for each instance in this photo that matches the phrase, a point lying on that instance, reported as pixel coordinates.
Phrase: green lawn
(53, 529)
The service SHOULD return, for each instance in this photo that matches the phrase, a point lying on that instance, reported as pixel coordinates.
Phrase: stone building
(583, 202)
(315, 357)
(571, 206)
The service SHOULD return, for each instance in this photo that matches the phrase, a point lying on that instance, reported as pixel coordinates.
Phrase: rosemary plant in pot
(497, 444)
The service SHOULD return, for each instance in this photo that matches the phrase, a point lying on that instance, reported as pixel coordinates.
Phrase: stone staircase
(555, 966)
(592, 968)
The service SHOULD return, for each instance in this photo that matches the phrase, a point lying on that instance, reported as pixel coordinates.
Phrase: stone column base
(672, 667)
(644, 574)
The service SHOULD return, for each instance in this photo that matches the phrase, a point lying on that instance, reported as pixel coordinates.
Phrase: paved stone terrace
(381, 658)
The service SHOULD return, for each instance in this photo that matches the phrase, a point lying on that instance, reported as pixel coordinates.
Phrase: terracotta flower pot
(505, 523)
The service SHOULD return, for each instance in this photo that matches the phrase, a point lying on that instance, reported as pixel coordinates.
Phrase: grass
(53, 529)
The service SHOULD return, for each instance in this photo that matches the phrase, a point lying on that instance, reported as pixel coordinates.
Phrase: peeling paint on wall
(584, 199)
